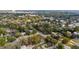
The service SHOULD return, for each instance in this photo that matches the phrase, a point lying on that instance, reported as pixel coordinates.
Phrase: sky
(39, 5)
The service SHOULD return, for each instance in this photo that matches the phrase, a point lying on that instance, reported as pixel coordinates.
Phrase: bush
(65, 40)
(2, 41)
(36, 39)
(60, 46)
(11, 39)
(17, 34)
(76, 28)
(48, 39)
(9, 46)
(2, 31)
(75, 47)
(54, 41)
